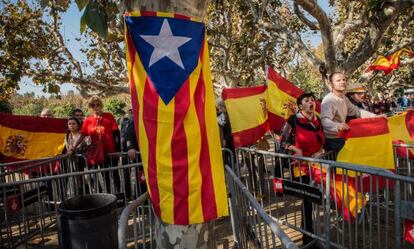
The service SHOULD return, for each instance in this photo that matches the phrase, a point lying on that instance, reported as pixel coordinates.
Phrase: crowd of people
(307, 134)
(96, 135)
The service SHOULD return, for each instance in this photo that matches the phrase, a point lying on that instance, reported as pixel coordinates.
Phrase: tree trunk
(197, 236)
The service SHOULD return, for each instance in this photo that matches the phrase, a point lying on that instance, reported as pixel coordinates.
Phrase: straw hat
(356, 88)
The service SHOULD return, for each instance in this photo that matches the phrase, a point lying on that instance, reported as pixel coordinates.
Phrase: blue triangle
(165, 74)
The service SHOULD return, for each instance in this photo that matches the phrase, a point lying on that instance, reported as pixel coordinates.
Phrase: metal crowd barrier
(28, 205)
(328, 203)
(404, 159)
(254, 227)
(136, 224)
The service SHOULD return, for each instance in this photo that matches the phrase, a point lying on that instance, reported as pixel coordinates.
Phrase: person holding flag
(334, 110)
(302, 136)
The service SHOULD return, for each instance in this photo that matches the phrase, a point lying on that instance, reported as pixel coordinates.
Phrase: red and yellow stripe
(246, 108)
(368, 142)
(41, 137)
(389, 63)
(179, 142)
(281, 99)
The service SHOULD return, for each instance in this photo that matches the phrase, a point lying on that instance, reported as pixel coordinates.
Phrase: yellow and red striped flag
(402, 127)
(29, 137)
(281, 99)
(368, 142)
(247, 112)
(389, 63)
(402, 131)
(175, 117)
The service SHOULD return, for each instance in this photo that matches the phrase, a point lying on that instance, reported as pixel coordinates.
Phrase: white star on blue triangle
(169, 50)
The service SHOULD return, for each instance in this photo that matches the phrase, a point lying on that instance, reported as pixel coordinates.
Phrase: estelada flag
(390, 62)
(175, 117)
(29, 137)
(247, 112)
(281, 99)
(368, 142)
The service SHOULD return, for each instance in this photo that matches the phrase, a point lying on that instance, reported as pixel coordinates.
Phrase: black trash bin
(88, 222)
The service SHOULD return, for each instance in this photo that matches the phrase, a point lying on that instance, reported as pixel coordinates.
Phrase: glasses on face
(361, 93)
(95, 105)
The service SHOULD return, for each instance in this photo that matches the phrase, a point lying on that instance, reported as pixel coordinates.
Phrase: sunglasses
(95, 105)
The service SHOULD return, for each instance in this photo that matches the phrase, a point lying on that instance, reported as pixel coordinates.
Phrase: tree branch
(59, 39)
(302, 17)
(312, 7)
(293, 39)
(375, 34)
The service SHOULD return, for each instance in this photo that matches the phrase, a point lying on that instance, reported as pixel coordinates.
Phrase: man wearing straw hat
(356, 94)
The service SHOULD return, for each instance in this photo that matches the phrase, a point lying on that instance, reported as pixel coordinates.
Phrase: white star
(166, 45)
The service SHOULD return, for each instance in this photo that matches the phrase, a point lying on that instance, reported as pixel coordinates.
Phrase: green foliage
(62, 110)
(32, 109)
(5, 106)
(115, 106)
(18, 43)
(94, 16)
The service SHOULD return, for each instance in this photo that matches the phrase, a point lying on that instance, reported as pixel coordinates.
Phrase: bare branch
(302, 17)
(293, 39)
(59, 39)
(312, 7)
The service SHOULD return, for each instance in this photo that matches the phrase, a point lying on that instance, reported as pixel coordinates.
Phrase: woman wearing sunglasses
(101, 127)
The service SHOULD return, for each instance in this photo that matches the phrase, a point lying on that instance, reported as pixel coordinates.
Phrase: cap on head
(302, 96)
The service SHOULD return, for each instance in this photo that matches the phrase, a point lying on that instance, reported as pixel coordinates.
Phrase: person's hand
(132, 153)
(319, 153)
(296, 151)
(343, 126)
(70, 151)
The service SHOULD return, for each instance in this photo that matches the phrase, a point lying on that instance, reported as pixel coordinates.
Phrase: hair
(75, 111)
(333, 74)
(94, 99)
(46, 110)
(304, 95)
(76, 120)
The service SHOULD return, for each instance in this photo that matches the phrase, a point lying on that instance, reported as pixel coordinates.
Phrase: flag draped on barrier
(390, 62)
(247, 112)
(175, 117)
(368, 142)
(28, 137)
(281, 99)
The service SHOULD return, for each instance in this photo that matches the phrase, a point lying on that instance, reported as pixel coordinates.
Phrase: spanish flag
(175, 117)
(247, 112)
(281, 99)
(28, 137)
(389, 63)
(402, 131)
(368, 142)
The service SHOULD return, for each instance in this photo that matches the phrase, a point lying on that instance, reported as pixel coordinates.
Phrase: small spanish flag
(390, 62)
(247, 112)
(175, 116)
(29, 137)
(281, 99)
